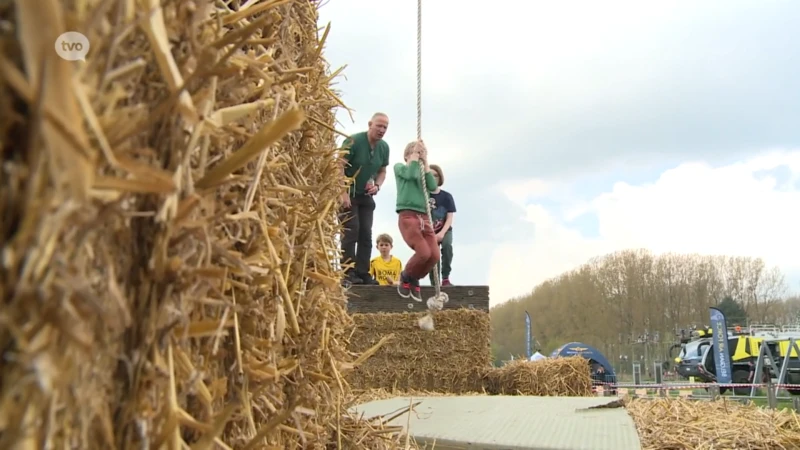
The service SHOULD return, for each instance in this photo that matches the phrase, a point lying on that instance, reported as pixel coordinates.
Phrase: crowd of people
(365, 161)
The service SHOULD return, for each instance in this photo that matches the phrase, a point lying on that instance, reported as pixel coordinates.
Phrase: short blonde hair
(384, 238)
(439, 173)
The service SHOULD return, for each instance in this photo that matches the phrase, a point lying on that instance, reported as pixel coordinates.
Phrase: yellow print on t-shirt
(383, 271)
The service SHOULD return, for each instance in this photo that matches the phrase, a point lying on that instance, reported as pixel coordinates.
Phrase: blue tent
(588, 352)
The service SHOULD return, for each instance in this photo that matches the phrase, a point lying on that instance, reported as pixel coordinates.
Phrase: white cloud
(733, 210)
(519, 191)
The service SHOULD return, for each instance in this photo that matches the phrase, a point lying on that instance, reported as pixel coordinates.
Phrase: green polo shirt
(362, 156)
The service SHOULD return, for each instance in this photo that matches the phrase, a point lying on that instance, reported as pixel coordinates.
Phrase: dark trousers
(357, 235)
(447, 256)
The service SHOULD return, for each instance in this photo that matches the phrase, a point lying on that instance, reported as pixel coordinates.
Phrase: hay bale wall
(369, 299)
(452, 358)
(169, 210)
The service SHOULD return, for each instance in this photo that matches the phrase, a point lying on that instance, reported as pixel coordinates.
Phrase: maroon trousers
(418, 233)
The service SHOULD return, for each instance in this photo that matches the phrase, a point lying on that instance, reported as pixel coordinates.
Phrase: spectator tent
(592, 354)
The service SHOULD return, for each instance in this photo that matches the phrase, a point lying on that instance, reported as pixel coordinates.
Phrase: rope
(437, 283)
(437, 302)
(419, 73)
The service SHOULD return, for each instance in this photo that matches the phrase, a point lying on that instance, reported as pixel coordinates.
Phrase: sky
(568, 130)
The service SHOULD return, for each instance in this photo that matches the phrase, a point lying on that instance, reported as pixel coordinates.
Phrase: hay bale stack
(451, 358)
(662, 425)
(169, 211)
(567, 377)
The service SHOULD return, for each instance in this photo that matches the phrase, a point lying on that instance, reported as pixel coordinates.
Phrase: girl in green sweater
(413, 221)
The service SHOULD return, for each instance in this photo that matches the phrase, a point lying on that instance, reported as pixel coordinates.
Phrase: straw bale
(169, 211)
(680, 424)
(567, 377)
(361, 396)
(452, 358)
(370, 433)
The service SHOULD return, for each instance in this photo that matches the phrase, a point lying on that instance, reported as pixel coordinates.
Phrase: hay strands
(667, 424)
(268, 135)
(438, 360)
(170, 170)
(549, 377)
(356, 430)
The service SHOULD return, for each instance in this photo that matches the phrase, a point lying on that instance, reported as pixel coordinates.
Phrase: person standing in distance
(365, 161)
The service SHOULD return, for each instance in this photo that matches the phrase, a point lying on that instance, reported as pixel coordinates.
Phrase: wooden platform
(372, 299)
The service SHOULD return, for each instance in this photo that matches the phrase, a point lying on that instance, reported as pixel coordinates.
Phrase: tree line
(632, 295)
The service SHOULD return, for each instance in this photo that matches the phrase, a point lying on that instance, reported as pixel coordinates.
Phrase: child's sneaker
(446, 282)
(416, 292)
(404, 287)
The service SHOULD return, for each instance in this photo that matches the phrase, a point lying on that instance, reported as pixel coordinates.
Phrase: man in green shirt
(365, 162)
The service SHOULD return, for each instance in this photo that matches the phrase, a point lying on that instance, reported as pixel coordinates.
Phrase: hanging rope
(436, 302)
(419, 72)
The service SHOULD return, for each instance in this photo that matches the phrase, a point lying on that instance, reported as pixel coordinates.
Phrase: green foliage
(497, 357)
(734, 313)
(611, 301)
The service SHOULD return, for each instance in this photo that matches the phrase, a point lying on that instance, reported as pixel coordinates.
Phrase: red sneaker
(404, 289)
(416, 292)
(446, 282)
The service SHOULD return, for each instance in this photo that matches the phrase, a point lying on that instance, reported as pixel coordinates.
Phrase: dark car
(691, 358)
(745, 355)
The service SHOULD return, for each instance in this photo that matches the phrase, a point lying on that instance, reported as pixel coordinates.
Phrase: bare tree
(789, 310)
(769, 293)
(612, 300)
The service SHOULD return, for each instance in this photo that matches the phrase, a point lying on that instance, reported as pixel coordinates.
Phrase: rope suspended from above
(419, 69)
(435, 303)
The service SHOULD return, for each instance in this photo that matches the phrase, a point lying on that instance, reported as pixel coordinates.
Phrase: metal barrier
(766, 362)
(687, 390)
